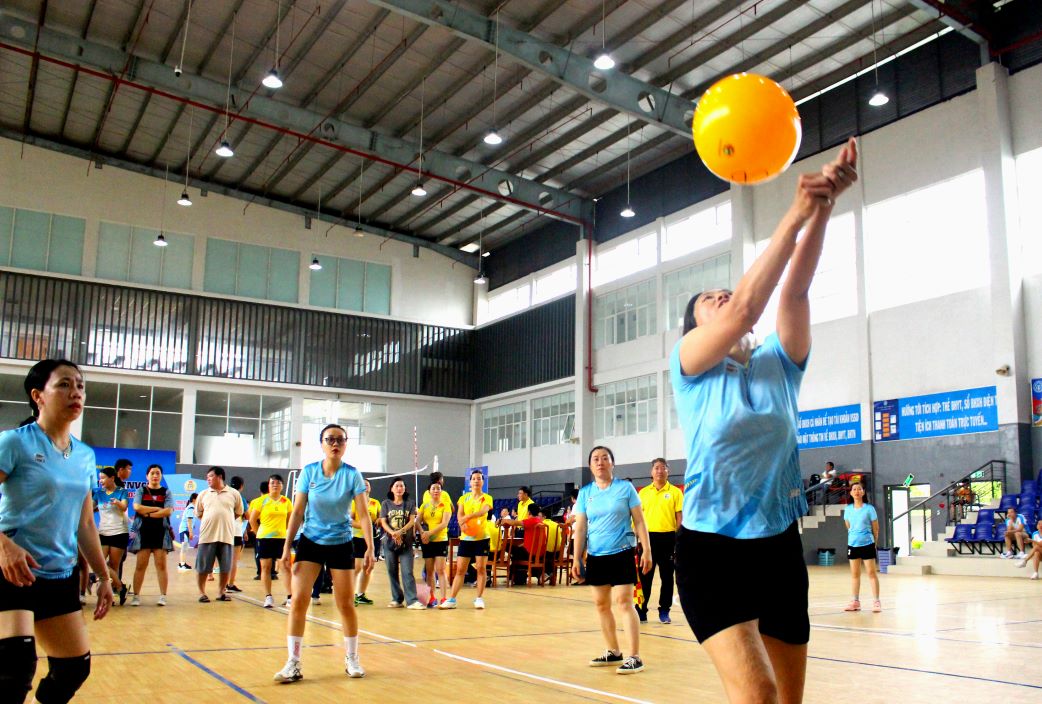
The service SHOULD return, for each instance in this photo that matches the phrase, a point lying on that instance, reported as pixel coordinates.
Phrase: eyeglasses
(335, 440)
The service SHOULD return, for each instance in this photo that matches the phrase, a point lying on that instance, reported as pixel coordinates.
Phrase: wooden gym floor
(938, 639)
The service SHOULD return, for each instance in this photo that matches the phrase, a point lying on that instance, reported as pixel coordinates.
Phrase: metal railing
(958, 497)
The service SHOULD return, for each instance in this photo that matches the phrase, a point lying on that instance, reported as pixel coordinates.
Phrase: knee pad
(64, 678)
(17, 666)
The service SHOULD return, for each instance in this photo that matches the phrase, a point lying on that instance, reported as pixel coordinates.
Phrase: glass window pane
(178, 257)
(323, 284)
(275, 404)
(221, 262)
(145, 257)
(31, 234)
(350, 276)
(99, 427)
(65, 255)
(165, 399)
(132, 429)
(113, 251)
(11, 414)
(135, 397)
(244, 405)
(11, 389)
(100, 393)
(208, 426)
(284, 275)
(212, 403)
(166, 432)
(6, 224)
(244, 426)
(378, 289)
(252, 274)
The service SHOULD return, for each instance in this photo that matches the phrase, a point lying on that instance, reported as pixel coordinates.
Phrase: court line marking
(216, 675)
(928, 672)
(539, 678)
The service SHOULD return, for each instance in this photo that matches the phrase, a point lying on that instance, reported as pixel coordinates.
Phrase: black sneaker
(642, 616)
(123, 595)
(609, 659)
(632, 666)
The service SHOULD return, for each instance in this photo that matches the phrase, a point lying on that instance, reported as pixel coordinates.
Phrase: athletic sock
(351, 646)
(294, 643)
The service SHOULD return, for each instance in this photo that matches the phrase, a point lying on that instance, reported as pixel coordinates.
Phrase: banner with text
(829, 427)
(1036, 403)
(933, 415)
(140, 459)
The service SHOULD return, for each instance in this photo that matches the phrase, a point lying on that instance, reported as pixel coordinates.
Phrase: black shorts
(153, 534)
(612, 570)
(237, 541)
(335, 557)
(861, 552)
(434, 549)
(720, 587)
(473, 548)
(119, 541)
(270, 548)
(46, 598)
(358, 545)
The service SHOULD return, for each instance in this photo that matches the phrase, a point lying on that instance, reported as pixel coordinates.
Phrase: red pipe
(1017, 44)
(293, 133)
(589, 310)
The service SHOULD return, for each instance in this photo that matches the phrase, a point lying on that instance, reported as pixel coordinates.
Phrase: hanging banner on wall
(933, 415)
(140, 459)
(1036, 403)
(829, 427)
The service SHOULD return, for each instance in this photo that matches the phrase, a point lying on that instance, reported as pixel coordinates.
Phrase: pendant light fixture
(160, 241)
(179, 68)
(315, 265)
(492, 137)
(272, 80)
(481, 279)
(628, 211)
(225, 149)
(184, 199)
(419, 191)
(879, 98)
(603, 62)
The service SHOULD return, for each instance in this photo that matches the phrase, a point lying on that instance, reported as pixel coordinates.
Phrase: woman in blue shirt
(46, 518)
(608, 523)
(742, 486)
(322, 513)
(862, 534)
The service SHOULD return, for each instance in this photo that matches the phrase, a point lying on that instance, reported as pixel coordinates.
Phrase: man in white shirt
(217, 509)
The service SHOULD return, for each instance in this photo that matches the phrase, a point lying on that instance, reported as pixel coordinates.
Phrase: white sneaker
(83, 600)
(352, 667)
(287, 601)
(479, 603)
(1022, 555)
(395, 605)
(184, 568)
(315, 601)
(1034, 575)
(135, 600)
(416, 606)
(289, 673)
(1006, 555)
(1022, 562)
(269, 602)
(161, 601)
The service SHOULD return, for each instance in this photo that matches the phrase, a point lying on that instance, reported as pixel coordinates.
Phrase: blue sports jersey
(327, 520)
(609, 523)
(743, 472)
(43, 497)
(112, 520)
(1012, 523)
(187, 520)
(860, 519)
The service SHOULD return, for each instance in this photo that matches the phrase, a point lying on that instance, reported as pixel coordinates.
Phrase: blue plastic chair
(1028, 486)
(986, 515)
(963, 540)
(1008, 501)
(984, 535)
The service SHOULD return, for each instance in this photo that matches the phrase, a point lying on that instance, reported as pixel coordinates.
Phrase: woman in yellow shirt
(472, 513)
(434, 542)
(362, 575)
(269, 516)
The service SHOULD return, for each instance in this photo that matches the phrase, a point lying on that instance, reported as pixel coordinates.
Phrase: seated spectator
(569, 515)
(524, 550)
(524, 503)
(1035, 554)
(1015, 530)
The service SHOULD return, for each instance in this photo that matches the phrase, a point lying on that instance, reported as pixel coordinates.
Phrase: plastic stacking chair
(536, 561)
(501, 556)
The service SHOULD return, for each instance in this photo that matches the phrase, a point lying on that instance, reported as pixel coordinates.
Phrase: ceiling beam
(613, 88)
(107, 62)
(962, 24)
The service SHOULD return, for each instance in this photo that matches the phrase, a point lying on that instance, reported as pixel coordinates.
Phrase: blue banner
(829, 427)
(140, 459)
(933, 415)
(1036, 403)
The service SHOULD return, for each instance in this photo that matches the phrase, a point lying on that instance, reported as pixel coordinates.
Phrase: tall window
(671, 404)
(705, 228)
(626, 407)
(128, 253)
(242, 429)
(366, 426)
(133, 416)
(553, 419)
(833, 294)
(927, 243)
(349, 284)
(623, 259)
(252, 271)
(553, 284)
(624, 315)
(503, 427)
(504, 302)
(679, 286)
(41, 241)
(1029, 185)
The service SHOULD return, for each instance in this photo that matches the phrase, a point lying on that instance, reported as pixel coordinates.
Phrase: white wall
(40, 179)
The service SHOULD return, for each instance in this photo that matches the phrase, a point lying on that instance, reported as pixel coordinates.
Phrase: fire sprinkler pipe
(120, 81)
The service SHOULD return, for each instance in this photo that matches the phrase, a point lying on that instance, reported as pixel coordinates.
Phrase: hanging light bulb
(492, 138)
(160, 241)
(272, 80)
(184, 199)
(627, 212)
(419, 191)
(315, 265)
(604, 62)
(480, 279)
(878, 99)
(225, 150)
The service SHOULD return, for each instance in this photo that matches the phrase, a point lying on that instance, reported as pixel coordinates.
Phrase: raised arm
(794, 304)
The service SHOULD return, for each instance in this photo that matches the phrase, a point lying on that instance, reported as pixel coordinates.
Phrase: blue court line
(210, 650)
(220, 678)
(927, 672)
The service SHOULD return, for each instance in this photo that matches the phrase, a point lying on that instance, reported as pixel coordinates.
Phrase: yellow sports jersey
(522, 509)
(475, 528)
(374, 513)
(446, 500)
(493, 532)
(661, 506)
(432, 515)
(274, 515)
(553, 535)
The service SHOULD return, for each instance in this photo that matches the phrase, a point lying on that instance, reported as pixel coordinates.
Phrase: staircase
(938, 557)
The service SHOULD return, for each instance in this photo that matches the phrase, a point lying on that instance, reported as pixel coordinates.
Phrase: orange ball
(475, 528)
(746, 128)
